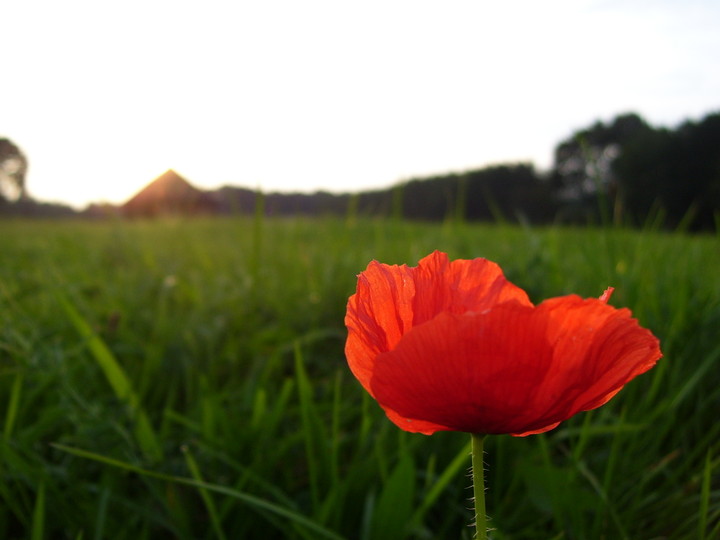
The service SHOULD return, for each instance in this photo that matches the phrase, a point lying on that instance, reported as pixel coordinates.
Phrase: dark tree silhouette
(646, 171)
(636, 168)
(677, 170)
(13, 167)
(584, 162)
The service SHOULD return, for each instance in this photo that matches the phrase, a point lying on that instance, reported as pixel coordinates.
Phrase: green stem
(478, 473)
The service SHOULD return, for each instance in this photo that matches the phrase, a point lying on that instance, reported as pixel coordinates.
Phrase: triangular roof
(169, 193)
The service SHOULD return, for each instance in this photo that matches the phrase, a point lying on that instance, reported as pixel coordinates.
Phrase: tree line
(624, 170)
(634, 172)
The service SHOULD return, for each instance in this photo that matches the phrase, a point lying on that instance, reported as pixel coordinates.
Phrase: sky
(283, 95)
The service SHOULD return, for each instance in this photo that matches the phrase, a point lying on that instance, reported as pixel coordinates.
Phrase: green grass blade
(13, 404)
(699, 374)
(312, 428)
(335, 438)
(113, 372)
(460, 462)
(101, 517)
(118, 380)
(250, 500)
(602, 494)
(704, 498)
(207, 499)
(392, 512)
(38, 523)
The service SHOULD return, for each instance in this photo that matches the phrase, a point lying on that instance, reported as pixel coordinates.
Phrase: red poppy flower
(454, 346)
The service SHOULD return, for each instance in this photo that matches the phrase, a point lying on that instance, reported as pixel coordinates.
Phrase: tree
(678, 170)
(637, 168)
(584, 162)
(13, 167)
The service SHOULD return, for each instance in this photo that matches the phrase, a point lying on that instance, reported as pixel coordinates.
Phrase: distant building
(169, 194)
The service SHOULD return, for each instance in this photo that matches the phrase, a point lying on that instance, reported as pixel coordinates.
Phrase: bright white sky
(328, 94)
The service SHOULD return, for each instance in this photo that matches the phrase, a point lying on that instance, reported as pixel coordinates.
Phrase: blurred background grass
(186, 379)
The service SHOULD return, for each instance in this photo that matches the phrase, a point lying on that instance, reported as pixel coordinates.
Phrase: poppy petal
(476, 372)
(378, 314)
(391, 299)
(513, 369)
(459, 286)
(597, 350)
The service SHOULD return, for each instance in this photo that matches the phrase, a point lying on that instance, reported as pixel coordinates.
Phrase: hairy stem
(478, 473)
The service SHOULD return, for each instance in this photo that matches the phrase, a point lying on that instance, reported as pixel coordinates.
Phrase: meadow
(186, 379)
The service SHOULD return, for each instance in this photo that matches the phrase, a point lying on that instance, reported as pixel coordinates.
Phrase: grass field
(186, 379)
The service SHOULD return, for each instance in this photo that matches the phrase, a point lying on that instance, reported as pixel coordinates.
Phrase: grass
(186, 379)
